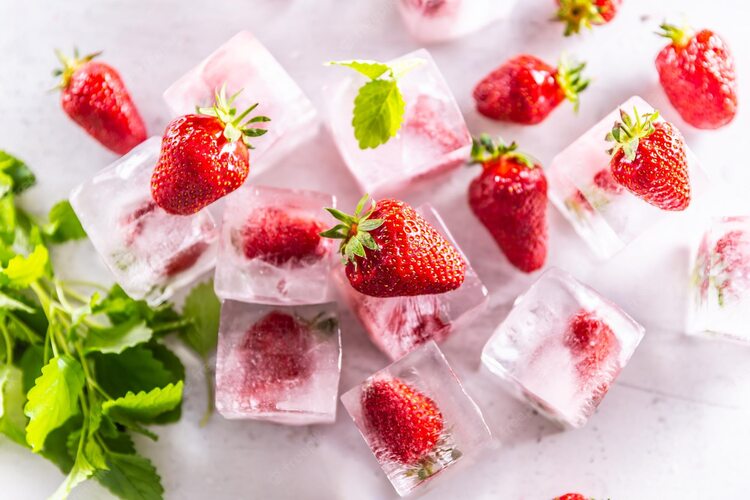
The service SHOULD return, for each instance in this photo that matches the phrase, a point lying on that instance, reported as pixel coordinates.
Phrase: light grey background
(676, 423)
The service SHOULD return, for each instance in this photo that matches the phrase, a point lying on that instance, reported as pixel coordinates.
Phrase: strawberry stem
(484, 149)
(226, 113)
(627, 133)
(354, 230)
(70, 65)
(578, 14)
(680, 35)
(570, 79)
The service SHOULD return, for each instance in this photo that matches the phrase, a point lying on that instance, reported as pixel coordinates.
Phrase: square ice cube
(604, 213)
(278, 363)
(256, 264)
(451, 428)
(441, 20)
(243, 63)
(561, 347)
(433, 137)
(397, 325)
(720, 288)
(150, 252)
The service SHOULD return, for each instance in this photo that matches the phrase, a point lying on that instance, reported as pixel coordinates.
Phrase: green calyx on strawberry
(627, 134)
(485, 149)
(234, 128)
(354, 230)
(679, 35)
(70, 65)
(570, 78)
(579, 14)
(379, 106)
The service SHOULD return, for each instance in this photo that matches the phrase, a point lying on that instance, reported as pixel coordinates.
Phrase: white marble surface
(676, 423)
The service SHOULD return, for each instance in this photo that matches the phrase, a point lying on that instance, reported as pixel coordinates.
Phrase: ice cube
(720, 288)
(420, 386)
(150, 252)
(270, 250)
(440, 20)
(397, 325)
(602, 212)
(433, 137)
(243, 63)
(278, 363)
(561, 347)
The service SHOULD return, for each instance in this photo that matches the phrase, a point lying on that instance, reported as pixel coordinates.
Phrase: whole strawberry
(391, 251)
(697, 73)
(650, 161)
(510, 198)
(406, 424)
(580, 14)
(591, 342)
(204, 156)
(274, 236)
(525, 89)
(95, 97)
(572, 496)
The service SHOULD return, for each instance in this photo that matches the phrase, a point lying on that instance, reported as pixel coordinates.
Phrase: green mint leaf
(55, 446)
(117, 338)
(8, 221)
(23, 271)
(12, 399)
(9, 303)
(144, 406)
(63, 224)
(23, 177)
(133, 370)
(131, 477)
(53, 399)
(203, 308)
(404, 66)
(31, 364)
(175, 367)
(121, 442)
(81, 471)
(371, 69)
(378, 113)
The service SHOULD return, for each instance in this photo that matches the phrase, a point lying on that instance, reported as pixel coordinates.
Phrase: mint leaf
(117, 338)
(81, 471)
(371, 69)
(31, 364)
(8, 220)
(63, 224)
(53, 399)
(144, 406)
(22, 176)
(378, 113)
(133, 370)
(9, 303)
(203, 308)
(55, 446)
(131, 477)
(23, 271)
(12, 399)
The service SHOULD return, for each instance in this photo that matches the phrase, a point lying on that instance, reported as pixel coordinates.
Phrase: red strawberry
(510, 198)
(571, 496)
(525, 89)
(649, 160)
(579, 14)
(134, 221)
(95, 97)
(429, 8)
(603, 180)
(274, 236)
(426, 119)
(730, 265)
(697, 74)
(185, 259)
(404, 422)
(591, 341)
(204, 156)
(391, 251)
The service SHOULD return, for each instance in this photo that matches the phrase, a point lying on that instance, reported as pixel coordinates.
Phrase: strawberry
(603, 184)
(591, 342)
(730, 265)
(649, 160)
(184, 259)
(391, 251)
(525, 89)
(426, 119)
(95, 97)
(204, 156)
(571, 496)
(697, 73)
(403, 422)
(429, 8)
(277, 237)
(579, 14)
(510, 198)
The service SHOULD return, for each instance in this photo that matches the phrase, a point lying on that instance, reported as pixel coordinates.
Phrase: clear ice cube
(433, 137)
(278, 363)
(424, 371)
(603, 213)
(720, 287)
(561, 347)
(151, 253)
(269, 274)
(440, 20)
(397, 325)
(243, 63)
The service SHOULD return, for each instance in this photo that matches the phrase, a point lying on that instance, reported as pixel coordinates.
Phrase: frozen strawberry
(274, 236)
(591, 342)
(604, 180)
(650, 161)
(391, 251)
(572, 496)
(95, 97)
(133, 222)
(526, 90)
(418, 321)
(185, 259)
(430, 8)
(426, 119)
(697, 73)
(730, 265)
(404, 422)
(204, 156)
(510, 198)
(580, 14)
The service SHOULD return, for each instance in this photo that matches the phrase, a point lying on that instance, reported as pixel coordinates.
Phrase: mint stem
(209, 393)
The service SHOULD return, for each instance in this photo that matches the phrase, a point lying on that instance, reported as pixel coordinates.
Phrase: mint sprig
(379, 105)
